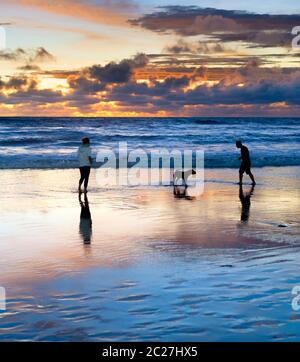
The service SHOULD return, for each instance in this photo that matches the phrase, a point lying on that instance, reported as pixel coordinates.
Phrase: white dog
(181, 176)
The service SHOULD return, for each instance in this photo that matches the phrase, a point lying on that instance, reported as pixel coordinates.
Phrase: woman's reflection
(85, 226)
(246, 203)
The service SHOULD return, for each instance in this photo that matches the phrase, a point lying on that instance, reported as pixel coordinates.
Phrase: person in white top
(85, 162)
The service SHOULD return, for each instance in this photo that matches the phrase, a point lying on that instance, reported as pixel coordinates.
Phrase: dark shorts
(245, 167)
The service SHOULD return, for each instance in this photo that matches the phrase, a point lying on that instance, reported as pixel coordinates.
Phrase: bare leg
(86, 180)
(241, 178)
(252, 178)
(80, 181)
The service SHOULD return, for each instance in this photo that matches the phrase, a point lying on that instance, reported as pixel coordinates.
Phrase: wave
(70, 162)
(207, 121)
(52, 142)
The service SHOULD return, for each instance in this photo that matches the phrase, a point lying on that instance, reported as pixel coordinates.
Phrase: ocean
(47, 143)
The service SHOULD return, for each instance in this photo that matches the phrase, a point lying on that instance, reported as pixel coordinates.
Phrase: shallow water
(156, 267)
(178, 295)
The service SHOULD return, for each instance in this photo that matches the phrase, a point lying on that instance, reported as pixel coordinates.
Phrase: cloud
(223, 25)
(30, 68)
(249, 85)
(61, 74)
(110, 12)
(29, 58)
(97, 77)
(15, 83)
(206, 54)
(14, 55)
(118, 72)
(24, 89)
(245, 89)
(37, 55)
(41, 55)
(263, 39)
(183, 46)
(211, 24)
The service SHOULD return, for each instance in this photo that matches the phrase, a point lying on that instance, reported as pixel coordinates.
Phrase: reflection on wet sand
(133, 223)
(245, 198)
(85, 225)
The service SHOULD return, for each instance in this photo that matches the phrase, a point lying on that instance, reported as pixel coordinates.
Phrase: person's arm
(243, 154)
(90, 156)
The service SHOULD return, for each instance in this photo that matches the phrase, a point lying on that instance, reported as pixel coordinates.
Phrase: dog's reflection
(245, 199)
(85, 225)
(180, 184)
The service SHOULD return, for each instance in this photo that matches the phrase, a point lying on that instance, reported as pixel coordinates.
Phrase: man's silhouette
(246, 203)
(246, 162)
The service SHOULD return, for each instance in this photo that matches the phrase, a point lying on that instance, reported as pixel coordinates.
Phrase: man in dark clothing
(246, 162)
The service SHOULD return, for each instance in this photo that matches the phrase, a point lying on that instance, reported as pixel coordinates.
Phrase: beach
(150, 182)
(146, 265)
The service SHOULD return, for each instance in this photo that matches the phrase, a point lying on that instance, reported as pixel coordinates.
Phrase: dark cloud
(183, 46)
(96, 78)
(30, 68)
(41, 55)
(118, 72)
(265, 92)
(85, 85)
(224, 25)
(33, 96)
(157, 89)
(25, 89)
(264, 39)
(17, 83)
(13, 55)
(112, 72)
(250, 85)
(37, 55)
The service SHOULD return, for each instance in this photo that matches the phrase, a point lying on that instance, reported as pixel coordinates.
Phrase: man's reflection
(85, 226)
(246, 203)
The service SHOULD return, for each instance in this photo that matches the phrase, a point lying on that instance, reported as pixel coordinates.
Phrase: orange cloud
(109, 13)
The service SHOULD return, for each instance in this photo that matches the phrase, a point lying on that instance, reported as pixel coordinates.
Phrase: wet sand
(156, 267)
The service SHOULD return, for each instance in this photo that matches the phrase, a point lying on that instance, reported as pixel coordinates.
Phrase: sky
(149, 58)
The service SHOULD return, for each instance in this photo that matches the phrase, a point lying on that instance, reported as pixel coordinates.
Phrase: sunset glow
(127, 58)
